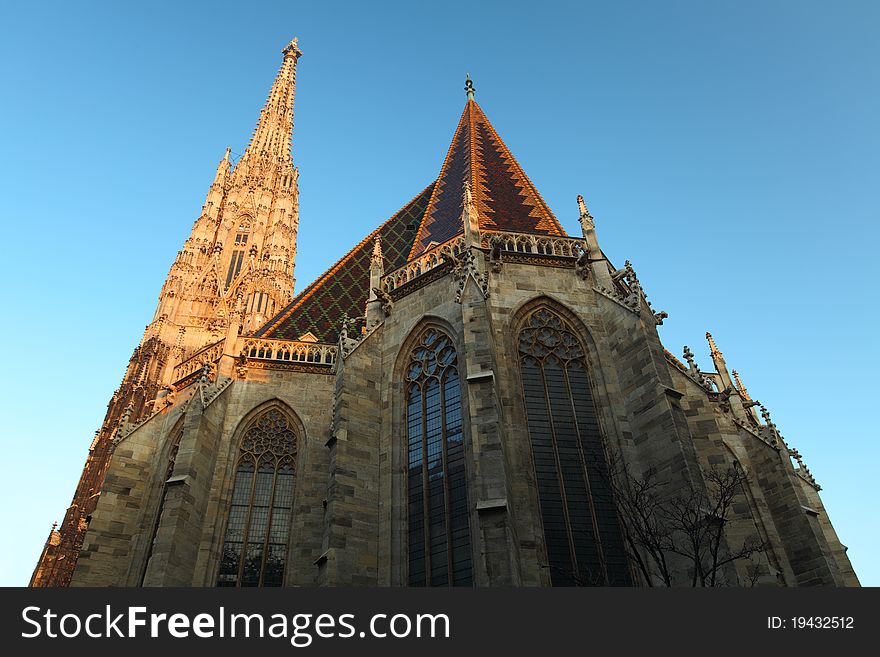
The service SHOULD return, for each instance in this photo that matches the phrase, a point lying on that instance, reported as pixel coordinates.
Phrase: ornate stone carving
(494, 255)
(582, 265)
(464, 268)
(292, 351)
(694, 372)
(385, 298)
(802, 470)
(349, 335)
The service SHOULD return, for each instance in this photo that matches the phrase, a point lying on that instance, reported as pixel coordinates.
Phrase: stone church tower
(233, 273)
(469, 397)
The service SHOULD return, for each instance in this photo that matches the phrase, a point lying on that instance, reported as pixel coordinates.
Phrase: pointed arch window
(257, 531)
(581, 530)
(439, 542)
(234, 266)
(241, 240)
(241, 235)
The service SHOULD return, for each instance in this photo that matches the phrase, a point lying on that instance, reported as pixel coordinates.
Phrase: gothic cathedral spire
(244, 243)
(234, 272)
(270, 144)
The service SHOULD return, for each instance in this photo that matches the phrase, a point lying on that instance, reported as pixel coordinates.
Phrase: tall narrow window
(581, 529)
(234, 266)
(439, 528)
(255, 545)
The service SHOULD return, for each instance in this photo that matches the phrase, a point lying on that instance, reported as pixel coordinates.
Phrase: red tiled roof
(342, 289)
(505, 197)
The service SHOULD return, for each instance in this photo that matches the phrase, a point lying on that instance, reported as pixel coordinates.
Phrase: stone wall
(350, 506)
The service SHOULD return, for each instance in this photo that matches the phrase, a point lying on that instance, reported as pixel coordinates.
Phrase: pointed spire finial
(226, 155)
(689, 357)
(583, 207)
(586, 218)
(469, 87)
(739, 384)
(270, 142)
(377, 249)
(292, 48)
(712, 346)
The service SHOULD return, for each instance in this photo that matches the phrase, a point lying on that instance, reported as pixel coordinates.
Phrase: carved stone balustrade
(430, 259)
(538, 245)
(208, 354)
(550, 245)
(287, 351)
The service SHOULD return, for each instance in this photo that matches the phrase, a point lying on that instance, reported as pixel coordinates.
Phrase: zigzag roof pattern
(505, 199)
(504, 196)
(342, 289)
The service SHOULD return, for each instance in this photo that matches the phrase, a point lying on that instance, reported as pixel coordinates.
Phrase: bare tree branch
(690, 523)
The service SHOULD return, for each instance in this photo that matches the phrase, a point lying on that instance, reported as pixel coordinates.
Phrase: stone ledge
(485, 506)
(486, 375)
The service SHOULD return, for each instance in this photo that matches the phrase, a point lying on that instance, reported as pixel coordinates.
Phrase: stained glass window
(439, 527)
(255, 545)
(581, 529)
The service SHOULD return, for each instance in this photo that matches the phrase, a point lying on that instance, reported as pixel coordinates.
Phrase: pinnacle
(270, 141)
(469, 87)
(712, 346)
(292, 48)
(377, 248)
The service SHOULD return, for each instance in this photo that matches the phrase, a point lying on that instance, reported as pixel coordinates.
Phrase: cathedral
(469, 397)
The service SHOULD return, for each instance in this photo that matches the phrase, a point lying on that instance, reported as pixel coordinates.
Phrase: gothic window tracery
(240, 242)
(241, 236)
(258, 527)
(439, 543)
(581, 529)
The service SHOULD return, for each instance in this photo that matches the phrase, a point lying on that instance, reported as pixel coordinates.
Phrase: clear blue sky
(731, 150)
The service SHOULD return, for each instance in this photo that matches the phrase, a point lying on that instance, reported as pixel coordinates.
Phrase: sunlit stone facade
(459, 401)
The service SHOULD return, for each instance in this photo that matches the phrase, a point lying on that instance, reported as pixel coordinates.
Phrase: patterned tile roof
(505, 197)
(342, 289)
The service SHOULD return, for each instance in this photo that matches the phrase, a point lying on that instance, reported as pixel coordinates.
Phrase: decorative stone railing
(430, 259)
(210, 354)
(287, 351)
(568, 247)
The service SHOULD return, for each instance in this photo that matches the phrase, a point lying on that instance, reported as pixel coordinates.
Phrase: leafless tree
(689, 523)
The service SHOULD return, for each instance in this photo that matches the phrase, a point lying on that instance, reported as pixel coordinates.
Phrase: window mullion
(247, 524)
(430, 363)
(426, 516)
(446, 492)
(267, 440)
(559, 475)
(586, 472)
(269, 521)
